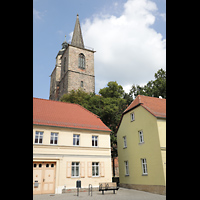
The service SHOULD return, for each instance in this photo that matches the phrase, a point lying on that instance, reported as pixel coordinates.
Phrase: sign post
(78, 185)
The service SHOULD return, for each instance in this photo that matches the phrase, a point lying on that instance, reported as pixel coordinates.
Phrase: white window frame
(141, 137)
(54, 138)
(144, 166)
(95, 141)
(95, 169)
(39, 135)
(125, 142)
(126, 168)
(76, 138)
(132, 117)
(75, 169)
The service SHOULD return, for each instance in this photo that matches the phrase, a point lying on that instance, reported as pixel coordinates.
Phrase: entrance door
(44, 177)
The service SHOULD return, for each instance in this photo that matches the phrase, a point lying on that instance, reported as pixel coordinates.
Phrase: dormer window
(81, 61)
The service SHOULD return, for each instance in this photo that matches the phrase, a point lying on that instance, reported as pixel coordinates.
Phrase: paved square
(121, 194)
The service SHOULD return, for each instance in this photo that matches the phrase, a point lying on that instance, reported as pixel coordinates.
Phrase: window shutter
(82, 171)
(68, 174)
(89, 169)
(102, 169)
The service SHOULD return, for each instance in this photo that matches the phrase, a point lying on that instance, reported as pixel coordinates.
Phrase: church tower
(74, 67)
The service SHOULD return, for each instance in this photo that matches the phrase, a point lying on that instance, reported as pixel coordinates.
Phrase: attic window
(132, 117)
(81, 61)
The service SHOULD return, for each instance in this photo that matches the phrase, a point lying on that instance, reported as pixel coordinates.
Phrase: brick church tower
(74, 67)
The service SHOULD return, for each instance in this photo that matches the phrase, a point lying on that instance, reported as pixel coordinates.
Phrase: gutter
(71, 127)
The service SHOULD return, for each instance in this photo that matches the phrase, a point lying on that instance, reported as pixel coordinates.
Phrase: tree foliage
(113, 90)
(154, 88)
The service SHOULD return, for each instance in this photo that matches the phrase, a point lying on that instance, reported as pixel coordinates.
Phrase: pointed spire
(77, 39)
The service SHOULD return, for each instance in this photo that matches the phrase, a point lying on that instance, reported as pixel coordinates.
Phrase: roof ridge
(68, 103)
(150, 97)
(77, 117)
(139, 98)
(55, 101)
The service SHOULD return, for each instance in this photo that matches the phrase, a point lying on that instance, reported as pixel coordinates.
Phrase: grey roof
(77, 39)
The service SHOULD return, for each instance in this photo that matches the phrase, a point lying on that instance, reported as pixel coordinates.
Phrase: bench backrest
(108, 185)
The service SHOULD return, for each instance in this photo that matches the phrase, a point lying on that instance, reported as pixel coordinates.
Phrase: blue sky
(129, 37)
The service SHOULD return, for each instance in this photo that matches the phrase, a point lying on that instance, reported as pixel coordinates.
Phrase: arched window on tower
(81, 61)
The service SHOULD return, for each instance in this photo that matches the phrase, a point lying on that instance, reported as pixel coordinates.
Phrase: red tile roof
(155, 106)
(61, 114)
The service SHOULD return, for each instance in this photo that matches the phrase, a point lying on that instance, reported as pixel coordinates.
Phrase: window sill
(144, 174)
(141, 143)
(126, 175)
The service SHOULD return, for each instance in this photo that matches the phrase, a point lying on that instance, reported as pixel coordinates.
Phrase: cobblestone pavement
(121, 194)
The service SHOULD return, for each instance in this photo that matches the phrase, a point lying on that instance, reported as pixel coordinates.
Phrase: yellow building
(141, 141)
(69, 144)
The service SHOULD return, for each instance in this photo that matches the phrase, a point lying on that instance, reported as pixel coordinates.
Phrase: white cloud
(163, 16)
(127, 88)
(129, 51)
(36, 14)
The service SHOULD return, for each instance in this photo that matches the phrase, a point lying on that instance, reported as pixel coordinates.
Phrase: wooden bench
(108, 186)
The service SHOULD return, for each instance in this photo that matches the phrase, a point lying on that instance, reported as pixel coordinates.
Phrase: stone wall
(72, 75)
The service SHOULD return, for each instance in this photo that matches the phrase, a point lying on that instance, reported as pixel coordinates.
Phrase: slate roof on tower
(61, 114)
(77, 38)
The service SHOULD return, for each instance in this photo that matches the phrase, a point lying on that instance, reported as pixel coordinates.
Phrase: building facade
(74, 67)
(69, 144)
(141, 139)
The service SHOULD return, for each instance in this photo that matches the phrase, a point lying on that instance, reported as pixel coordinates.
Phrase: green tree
(113, 90)
(79, 97)
(154, 88)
